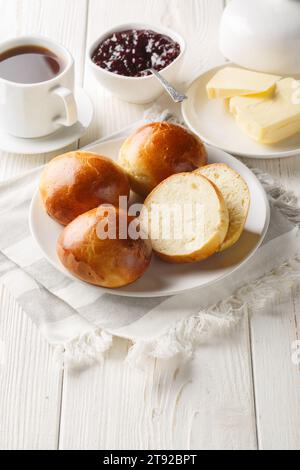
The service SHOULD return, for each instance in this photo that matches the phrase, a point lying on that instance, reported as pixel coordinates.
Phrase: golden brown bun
(103, 262)
(158, 150)
(76, 182)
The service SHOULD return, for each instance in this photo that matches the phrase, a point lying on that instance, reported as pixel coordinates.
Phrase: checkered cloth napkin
(81, 320)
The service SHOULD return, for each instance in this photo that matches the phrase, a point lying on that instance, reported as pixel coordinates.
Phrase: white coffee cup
(38, 109)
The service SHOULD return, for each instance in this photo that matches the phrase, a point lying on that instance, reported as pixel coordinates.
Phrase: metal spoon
(175, 95)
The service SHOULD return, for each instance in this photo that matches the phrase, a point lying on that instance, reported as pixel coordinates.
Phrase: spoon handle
(175, 95)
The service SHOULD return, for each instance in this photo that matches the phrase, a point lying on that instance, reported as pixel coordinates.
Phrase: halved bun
(237, 197)
(158, 150)
(186, 218)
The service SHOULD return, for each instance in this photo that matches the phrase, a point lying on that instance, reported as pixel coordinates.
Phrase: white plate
(216, 126)
(162, 279)
(63, 137)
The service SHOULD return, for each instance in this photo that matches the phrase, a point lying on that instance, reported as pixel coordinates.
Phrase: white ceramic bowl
(136, 89)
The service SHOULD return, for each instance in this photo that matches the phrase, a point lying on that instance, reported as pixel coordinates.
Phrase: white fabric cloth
(81, 320)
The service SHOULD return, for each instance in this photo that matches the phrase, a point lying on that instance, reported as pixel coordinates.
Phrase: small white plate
(162, 279)
(216, 126)
(63, 137)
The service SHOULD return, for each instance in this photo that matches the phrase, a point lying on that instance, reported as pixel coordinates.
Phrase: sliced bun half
(236, 194)
(186, 218)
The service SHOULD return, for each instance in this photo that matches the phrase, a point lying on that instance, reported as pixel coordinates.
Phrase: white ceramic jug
(262, 35)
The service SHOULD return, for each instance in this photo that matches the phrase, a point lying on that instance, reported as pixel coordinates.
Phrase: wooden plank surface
(277, 379)
(204, 404)
(207, 403)
(168, 406)
(30, 382)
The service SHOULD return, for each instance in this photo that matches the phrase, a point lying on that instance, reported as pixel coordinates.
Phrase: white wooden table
(241, 391)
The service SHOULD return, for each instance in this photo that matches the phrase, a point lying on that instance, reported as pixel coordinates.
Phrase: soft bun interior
(236, 195)
(186, 218)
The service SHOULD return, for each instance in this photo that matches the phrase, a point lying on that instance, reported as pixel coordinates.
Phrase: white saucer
(163, 279)
(216, 126)
(57, 140)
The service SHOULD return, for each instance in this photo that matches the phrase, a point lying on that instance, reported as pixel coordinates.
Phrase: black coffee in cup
(29, 64)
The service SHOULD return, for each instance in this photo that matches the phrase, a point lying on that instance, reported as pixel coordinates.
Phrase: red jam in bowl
(132, 52)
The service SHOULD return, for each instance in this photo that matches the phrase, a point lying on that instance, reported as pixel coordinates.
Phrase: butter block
(269, 120)
(234, 81)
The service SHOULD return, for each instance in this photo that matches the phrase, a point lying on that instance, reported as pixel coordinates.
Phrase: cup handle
(70, 106)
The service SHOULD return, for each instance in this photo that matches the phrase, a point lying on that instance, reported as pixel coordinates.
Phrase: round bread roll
(237, 197)
(158, 150)
(76, 182)
(186, 218)
(108, 262)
